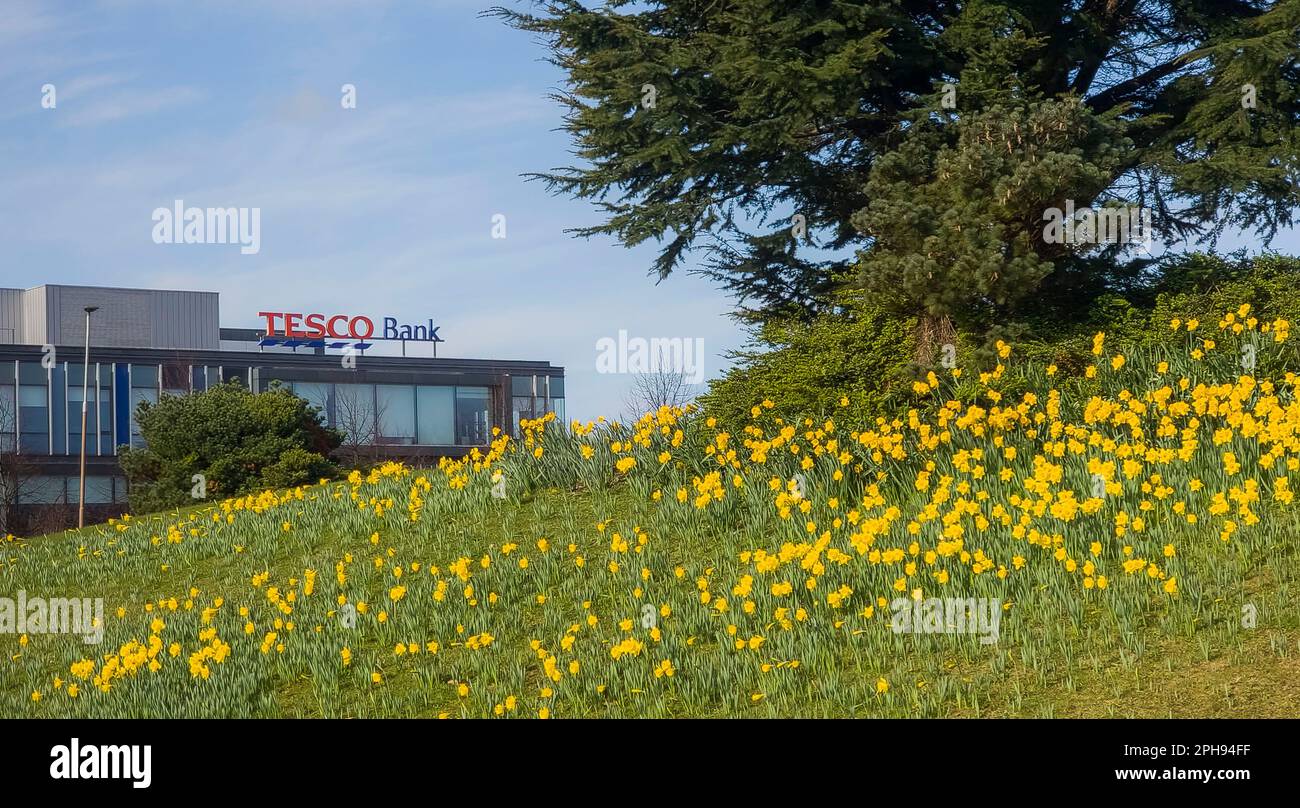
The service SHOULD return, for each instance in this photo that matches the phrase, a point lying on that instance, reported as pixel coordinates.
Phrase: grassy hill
(1133, 527)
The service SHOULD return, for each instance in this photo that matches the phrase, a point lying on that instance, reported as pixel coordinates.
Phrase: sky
(382, 210)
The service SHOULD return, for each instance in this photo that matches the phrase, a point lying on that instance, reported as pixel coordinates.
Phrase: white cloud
(128, 104)
(23, 19)
(81, 86)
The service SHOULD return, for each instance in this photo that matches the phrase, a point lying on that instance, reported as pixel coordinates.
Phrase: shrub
(860, 352)
(238, 441)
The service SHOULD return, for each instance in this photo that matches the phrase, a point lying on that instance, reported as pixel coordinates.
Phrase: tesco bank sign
(294, 329)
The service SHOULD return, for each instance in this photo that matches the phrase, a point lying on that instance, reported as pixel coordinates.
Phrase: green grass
(1215, 668)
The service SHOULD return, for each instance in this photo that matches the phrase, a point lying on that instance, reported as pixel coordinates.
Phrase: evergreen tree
(801, 146)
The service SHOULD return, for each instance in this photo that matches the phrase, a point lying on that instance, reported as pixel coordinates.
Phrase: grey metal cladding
(36, 324)
(11, 315)
(123, 319)
(186, 320)
(127, 318)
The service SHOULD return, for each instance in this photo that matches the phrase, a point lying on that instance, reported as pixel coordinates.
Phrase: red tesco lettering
(318, 326)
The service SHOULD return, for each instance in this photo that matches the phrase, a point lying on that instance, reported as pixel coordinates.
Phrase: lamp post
(85, 387)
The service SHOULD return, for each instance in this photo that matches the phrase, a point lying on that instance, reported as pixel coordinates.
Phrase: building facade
(148, 343)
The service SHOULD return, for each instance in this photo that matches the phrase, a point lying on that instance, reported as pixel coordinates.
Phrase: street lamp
(85, 387)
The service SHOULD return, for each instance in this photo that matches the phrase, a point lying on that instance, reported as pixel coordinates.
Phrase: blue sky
(385, 209)
(381, 210)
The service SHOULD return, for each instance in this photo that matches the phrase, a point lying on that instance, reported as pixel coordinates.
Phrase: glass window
(8, 415)
(396, 410)
(354, 413)
(30, 395)
(176, 379)
(42, 490)
(521, 409)
(435, 415)
(473, 422)
(144, 387)
(76, 378)
(99, 490)
(33, 409)
(521, 385)
(316, 394)
(144, 376)
(557, 387)
(558, 405)
(32, 373)
(59, 409)
(74, 415)
(239, 374)
(105, 424)
(139, 395)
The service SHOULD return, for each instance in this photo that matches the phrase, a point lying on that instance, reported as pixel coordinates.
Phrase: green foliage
(920, 141)
(861, 351)
(1198, 286)
(953, 209)
(295, 467)
(1207, 285)
(694, 118)
(238, 441)
(868, 352)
